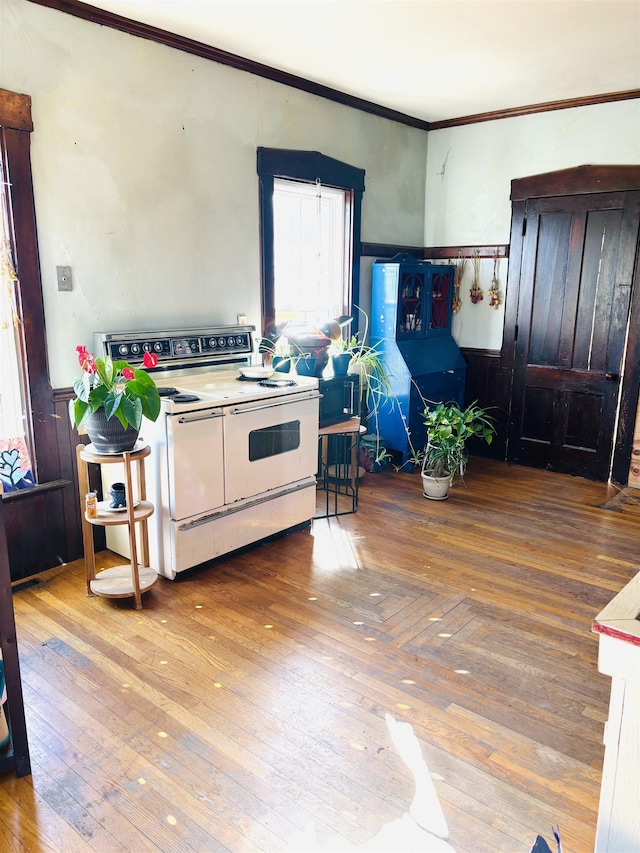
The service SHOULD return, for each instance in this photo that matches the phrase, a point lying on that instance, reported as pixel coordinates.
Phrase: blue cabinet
(411, 315)
(412, 300)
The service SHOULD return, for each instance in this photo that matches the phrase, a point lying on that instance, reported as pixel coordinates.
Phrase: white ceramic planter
(435, 488)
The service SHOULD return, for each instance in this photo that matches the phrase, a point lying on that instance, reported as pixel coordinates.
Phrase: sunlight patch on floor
(333, 549)
(422, 828)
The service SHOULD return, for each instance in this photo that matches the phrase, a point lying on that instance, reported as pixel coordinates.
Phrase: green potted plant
(111, 399)
(367, 363)
(341, 351)
(281, 354)
(444, 457)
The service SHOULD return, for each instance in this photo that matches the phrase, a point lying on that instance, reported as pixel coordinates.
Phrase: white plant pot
(435, 488)
(356, 368)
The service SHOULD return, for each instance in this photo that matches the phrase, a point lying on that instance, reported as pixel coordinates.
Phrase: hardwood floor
(248, 699)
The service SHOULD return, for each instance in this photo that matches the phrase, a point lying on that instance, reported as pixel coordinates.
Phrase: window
(15, 458)
(310, 235)
(27, 405)
(311, 251)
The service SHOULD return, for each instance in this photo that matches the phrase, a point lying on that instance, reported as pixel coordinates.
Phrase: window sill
(38, 489)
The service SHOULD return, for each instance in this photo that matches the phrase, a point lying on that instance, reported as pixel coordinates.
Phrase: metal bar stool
(338, 470)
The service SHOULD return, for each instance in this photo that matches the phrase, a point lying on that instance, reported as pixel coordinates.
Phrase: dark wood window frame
(15, 141)
(306, 166)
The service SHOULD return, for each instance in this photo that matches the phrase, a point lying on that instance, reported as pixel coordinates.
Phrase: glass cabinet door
(441, 286)
(411, 303)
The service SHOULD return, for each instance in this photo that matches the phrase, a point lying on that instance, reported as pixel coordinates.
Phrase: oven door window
(274, 440)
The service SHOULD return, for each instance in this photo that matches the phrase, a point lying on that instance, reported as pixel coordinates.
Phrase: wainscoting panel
(488, 383)
(43, 523)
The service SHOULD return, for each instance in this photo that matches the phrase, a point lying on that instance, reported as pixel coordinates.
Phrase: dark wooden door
(576, 272)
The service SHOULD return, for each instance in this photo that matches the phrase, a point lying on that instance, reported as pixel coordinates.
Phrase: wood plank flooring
(248, 699)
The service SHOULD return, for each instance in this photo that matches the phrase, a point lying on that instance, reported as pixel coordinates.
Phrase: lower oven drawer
(195, 543)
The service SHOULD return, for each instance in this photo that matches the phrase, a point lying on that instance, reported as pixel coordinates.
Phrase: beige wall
(144, 168)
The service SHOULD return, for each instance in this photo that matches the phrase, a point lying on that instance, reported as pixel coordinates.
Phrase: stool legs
(338, 472)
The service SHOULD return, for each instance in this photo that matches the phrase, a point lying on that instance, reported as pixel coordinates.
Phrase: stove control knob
(221, 342)
(212, 343)
(123, 349)
(135, 349)
(157, 346)
(231, 341)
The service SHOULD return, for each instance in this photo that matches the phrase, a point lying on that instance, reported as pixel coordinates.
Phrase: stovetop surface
(221, 387)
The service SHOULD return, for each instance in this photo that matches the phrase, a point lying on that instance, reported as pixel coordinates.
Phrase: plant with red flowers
(121, 390)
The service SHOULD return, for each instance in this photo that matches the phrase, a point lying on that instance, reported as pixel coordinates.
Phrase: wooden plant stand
(136, 577)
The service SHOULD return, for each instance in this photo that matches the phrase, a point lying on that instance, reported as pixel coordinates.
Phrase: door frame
(579, 180)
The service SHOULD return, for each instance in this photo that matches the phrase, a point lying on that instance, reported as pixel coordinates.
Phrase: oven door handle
(286, 402)
(189, 419)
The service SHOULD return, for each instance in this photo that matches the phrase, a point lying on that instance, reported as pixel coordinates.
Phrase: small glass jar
(91, 504)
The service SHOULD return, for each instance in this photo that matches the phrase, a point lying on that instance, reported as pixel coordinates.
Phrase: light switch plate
(63, 275)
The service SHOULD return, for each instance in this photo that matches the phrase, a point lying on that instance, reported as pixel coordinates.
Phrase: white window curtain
(309, 251)
(15, 464)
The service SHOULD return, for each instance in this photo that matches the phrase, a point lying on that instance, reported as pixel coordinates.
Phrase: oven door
(270, 443)
(196, 469)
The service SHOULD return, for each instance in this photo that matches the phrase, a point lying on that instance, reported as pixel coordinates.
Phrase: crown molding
(532, 109)
(205, 51)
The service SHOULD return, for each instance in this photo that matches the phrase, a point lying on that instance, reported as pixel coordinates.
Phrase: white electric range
(233, 460)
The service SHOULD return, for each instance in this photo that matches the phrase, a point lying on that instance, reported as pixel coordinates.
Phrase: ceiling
(429, 59)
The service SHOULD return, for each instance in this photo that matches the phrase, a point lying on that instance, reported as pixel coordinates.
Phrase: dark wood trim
(42, 523)
(17, 160)
(532, 109)
(44, 527)
(16, 757)
(478, 352)
(488, 384)
(304, 166)
(15, 111)
(386, 250)
(580, 180)
(21, 494)
(630, 391)
(196, 48)
(267, 272)
(309, 166)
(449, 252)
(512, 296)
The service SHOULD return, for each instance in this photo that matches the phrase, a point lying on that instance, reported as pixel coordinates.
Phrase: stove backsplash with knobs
(233, 461)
